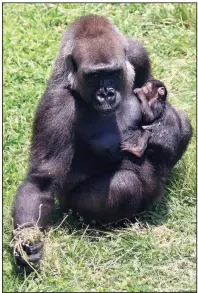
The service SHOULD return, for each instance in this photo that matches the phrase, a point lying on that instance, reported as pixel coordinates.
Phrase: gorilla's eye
(95, 75)
(74, 63)
(92, 76)
(117, 73)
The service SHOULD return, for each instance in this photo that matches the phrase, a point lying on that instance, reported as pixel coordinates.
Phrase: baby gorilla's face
(161, 92)
(153, 91)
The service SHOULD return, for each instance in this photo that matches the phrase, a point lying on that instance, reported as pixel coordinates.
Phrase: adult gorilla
(85, 112)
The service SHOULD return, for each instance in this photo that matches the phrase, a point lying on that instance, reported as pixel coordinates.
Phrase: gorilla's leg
(186, 131)
(114, 196)
(185, 134)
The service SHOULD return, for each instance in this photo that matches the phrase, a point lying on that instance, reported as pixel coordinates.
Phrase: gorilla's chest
(103, 134)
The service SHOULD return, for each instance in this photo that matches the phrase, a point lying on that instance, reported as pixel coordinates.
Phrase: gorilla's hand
(27, 248)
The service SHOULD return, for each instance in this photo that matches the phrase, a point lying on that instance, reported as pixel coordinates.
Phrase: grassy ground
(158, 252)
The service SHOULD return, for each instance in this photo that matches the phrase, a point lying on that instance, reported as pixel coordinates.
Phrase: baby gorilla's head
(155, 89)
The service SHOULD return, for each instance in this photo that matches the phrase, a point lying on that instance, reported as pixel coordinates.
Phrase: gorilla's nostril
(100, 99)
(101, 96)
(111, 95)
(111, 98)
(110, 91)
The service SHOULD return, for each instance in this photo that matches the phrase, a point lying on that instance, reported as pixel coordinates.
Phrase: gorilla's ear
(64, 72)
(69, 72)
(65, 66)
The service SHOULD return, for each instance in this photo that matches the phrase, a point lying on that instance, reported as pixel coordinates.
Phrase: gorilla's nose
(101, 96)
(106, 94)
(111, 95)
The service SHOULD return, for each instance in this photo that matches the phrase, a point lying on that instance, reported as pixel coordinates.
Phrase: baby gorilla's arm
(146, 110)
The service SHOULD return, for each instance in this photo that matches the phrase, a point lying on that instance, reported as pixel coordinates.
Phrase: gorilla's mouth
(106, 110)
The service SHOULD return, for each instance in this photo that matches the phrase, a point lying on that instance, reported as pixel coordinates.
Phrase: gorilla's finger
(34, 257)
(33, 249)
(20, 260)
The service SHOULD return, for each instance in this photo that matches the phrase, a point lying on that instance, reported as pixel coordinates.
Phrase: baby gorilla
(153, 99)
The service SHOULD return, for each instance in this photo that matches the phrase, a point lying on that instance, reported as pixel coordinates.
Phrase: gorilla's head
(93, 62)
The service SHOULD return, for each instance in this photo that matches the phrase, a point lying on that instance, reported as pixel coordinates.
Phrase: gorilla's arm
(138, 57)
(50, 158)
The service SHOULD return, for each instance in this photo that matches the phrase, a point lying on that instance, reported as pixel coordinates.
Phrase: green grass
(158, 252)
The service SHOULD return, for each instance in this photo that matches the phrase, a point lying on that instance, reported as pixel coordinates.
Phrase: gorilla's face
(102, 87)
(102, 72)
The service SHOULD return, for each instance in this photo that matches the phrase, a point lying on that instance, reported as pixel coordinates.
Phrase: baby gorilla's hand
(27, 247)
(133, 149)
(137, 91)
